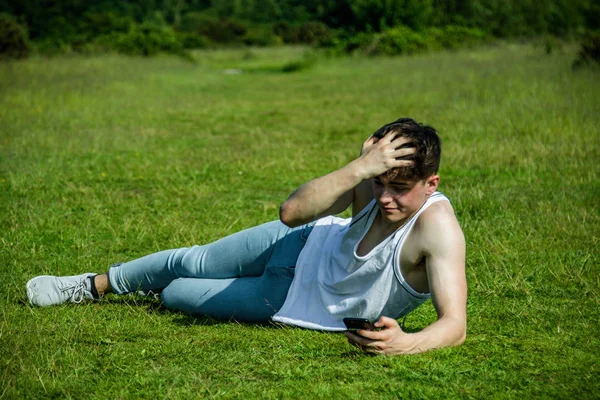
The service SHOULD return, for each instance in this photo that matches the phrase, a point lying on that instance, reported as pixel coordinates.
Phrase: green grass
(105, 159)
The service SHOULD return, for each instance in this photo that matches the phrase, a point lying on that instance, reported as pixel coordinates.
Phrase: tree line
(147, 26)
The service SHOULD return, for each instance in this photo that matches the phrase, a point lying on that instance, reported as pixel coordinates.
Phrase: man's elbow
(461, 338)
(286, 215)
(456, 331)
(461, 334)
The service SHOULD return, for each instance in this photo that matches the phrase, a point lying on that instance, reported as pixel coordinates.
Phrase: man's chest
(411, 259)
(410, 255)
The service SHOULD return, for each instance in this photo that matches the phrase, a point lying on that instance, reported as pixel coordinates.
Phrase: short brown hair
(428, 149)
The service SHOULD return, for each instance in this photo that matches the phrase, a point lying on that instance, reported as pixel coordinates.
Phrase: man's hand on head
(368, 143)
(380, 155)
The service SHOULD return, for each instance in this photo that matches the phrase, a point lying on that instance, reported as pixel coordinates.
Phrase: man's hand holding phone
(354, 324)
(390, 339)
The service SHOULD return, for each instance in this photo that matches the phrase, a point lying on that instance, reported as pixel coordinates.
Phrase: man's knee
(244, 299)
(180, 295)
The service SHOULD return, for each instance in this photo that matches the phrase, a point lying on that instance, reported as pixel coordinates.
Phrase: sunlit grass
(105, 159)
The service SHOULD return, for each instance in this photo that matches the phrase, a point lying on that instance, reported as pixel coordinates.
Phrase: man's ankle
(100, 285)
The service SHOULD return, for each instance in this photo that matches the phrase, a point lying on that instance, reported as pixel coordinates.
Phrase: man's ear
(431, 184)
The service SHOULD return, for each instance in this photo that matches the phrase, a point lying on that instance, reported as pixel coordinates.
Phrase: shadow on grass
(305, 63)
(203, 320)
(153, 304)
(356, 354)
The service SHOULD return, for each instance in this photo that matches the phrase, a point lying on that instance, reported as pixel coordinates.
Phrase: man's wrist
(358, 170)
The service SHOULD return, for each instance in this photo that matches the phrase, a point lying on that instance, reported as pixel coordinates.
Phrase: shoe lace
(78, 291)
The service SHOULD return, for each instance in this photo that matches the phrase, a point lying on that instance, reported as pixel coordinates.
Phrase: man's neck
(388, 227)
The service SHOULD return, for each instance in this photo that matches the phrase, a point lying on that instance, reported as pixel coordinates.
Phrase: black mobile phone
(354, 324)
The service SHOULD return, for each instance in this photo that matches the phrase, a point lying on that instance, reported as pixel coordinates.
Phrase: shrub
(313, 32)
(192, 40)
(220, 30)
(590, 50)
(403, 40)
(14, 42)
(190, 22)
(548, 43)
(261, 36)
(94, 24)
(398, 40)
(454, 37)
(58, 29)
(395, 41)
(146, 39)
(349, 44)
(52, 47)
(287, 32)
(224, 31)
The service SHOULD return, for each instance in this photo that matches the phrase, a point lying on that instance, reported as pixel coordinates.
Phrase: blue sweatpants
(244, 276)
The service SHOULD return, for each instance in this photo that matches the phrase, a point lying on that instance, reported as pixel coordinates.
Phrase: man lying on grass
(402, 246)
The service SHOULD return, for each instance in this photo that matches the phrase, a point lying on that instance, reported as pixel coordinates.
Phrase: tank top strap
(403, 231)
(401, 235)
(365, 214)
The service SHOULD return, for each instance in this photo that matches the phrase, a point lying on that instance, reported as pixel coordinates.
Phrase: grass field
(106, 159)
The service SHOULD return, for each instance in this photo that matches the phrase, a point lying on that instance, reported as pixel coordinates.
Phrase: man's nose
(385, 196)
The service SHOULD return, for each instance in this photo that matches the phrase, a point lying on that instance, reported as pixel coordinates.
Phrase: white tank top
(332, 282)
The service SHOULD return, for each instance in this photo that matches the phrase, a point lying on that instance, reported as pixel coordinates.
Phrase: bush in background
(398, 40)
(54, 47)
(403, 40)
(590, 50)
(454, 37)
(94, 24)
(14, 43)
(261, 35)
(147, 39)
(191, 40)
(216, 29)
(313, 32)
(376, 26)
(286, 31)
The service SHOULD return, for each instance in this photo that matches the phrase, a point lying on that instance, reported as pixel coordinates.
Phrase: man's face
(399, 200)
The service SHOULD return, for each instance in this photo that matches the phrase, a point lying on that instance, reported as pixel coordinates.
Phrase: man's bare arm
(327, 195)
(334, 192)
(444, 245)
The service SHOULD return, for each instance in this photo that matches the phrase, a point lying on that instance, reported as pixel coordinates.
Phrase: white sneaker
(53, 290)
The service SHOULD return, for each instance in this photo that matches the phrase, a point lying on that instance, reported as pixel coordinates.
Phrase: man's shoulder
(438, 212)
(438, 226)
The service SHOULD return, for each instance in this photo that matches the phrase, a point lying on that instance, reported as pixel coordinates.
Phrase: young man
(402, 246)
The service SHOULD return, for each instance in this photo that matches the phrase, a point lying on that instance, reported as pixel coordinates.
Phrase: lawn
(105, 159)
